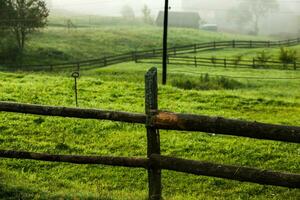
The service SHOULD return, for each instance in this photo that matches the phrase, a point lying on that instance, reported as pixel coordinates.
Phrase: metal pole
(165, 43)
(75, 75)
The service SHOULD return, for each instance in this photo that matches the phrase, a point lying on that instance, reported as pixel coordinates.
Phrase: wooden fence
(223, 62)
(133, 56)
(155, 120)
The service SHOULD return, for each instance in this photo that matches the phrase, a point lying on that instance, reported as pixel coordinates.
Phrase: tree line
(19, 19)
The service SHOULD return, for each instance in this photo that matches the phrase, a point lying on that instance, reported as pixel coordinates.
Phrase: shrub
(205, 82)
(238, 59)
(262, 57)
(287, 55)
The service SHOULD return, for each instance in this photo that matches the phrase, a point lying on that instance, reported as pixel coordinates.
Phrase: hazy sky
(113, 7)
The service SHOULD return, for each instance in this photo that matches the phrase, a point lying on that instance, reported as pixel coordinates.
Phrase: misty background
(285, 20)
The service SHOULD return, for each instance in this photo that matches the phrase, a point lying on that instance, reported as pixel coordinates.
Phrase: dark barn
(180, 19)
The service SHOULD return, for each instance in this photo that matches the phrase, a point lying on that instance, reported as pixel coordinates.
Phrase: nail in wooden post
(153, 140)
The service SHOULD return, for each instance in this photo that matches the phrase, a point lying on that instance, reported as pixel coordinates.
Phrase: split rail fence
(134, 56)
(223, 62)
(155, 120)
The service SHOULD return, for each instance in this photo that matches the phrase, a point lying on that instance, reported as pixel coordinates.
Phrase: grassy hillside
(56, 44)
(121, 88)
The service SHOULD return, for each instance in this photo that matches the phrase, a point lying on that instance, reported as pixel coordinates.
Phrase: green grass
(58, 44)
(121, 87)
(247, 53)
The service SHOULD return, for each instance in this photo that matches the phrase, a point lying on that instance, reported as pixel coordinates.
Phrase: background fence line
(134, 56)
(155, 120)
(223, 62)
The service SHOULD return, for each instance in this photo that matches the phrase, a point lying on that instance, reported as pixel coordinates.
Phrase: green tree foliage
(252, 11)
(23, 17)
(287, 55)
(262, 58)
(147, 15)
(127, 12)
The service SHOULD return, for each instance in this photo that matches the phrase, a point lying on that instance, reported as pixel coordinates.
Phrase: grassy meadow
(121, 87)
(108, 36)
(245, 94)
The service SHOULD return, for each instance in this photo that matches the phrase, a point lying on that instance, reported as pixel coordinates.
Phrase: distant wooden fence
(224, 62)
(134, 56)
(155, 120)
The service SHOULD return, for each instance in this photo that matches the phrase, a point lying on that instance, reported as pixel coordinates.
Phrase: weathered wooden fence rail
(155, 120)
(223, 62)
(134, 56)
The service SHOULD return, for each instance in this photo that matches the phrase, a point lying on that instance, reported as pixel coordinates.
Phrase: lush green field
(274, 53)
(233, 93)
(57, 44)
(121, 87)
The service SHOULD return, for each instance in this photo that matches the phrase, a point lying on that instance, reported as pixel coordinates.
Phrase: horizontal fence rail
(223, 62)
(168, 121)
(243, 174)
(156, 120)
(134, 56)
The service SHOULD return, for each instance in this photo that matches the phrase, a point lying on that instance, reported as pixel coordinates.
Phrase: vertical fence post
(214, 44)
(133, 56)
(250, 43)
(104, 61)
(233, 43)
(295, 65)
(195, 48)
(225, 63)
(174, 50)
(78, 67)
(195, 60)
(153, 139)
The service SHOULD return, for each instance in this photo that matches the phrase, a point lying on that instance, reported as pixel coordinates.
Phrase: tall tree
(127, 12)
(147, 15)
(25, 17)
(252, 11)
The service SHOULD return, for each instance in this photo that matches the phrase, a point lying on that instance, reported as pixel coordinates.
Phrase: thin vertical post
(104, 61)
(153, 139)
(295, 65)
(75, 75)
(78, 67)
(225, 63)
(165, 42)
(233, 43)
(195, 48)
(195, 60)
